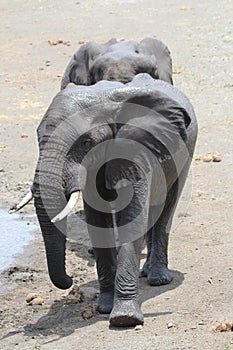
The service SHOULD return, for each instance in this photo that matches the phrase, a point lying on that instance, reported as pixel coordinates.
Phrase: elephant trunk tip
(61, 283)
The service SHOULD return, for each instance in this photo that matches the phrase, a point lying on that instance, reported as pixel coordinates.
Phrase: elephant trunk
(50, 199)
(55, 245)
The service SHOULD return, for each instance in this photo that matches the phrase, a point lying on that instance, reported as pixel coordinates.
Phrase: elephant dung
(210, 157)
(89, 312)
(224, 326)
(34, 299)
(74, 296)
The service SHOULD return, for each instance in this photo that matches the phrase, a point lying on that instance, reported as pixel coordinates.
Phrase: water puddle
(15, 233)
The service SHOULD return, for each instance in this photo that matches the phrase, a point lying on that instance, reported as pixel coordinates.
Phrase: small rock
(34, 299)
(31, 296)
(37, 301)
(37, 346)
(58, 41)
(23, 135)
(139, 327)
(228, 39)
(170, 325)
(193, 327)
(82, 41)
(217, 157)
(207, 158)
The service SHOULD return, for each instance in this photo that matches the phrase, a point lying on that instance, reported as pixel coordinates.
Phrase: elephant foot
(104, 302)
(126, 313)
(158, 276)
(145, 270)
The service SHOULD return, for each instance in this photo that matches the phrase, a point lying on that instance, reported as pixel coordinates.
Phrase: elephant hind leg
(104, 302)
(155, 268)
(146, 266)
(157, 264)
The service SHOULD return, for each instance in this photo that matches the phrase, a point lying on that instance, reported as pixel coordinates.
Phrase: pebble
(37, 301)
(34, 299)
(207, 158)
(82, 41)
(139, 327)
(170, 325)
(217, 157)
(31, 296)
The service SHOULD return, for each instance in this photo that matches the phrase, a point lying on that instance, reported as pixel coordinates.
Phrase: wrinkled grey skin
(157, 116)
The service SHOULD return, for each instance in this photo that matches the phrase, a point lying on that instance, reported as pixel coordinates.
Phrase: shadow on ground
(63, 319)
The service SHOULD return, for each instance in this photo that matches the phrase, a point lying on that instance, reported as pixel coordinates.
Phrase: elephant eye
(87, 144)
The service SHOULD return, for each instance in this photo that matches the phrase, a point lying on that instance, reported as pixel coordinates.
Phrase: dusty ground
(183, 314)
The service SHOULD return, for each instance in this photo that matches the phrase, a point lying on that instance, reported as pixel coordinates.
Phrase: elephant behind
(118, 61)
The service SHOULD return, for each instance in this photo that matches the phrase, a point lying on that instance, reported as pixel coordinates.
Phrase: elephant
(118, 61)
(127, 146)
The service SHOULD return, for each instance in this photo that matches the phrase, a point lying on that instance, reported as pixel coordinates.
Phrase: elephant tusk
(68, 208)
(22, 203)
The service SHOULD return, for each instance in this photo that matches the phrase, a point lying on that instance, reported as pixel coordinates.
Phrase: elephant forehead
(81, 107)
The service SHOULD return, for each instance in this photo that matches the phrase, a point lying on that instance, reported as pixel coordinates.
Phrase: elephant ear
(152, 127)
(157, 48)
(78, 69)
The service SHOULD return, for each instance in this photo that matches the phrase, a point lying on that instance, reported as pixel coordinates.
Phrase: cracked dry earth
(181, 315)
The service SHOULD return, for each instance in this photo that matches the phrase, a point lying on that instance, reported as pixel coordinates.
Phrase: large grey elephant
(128, 147)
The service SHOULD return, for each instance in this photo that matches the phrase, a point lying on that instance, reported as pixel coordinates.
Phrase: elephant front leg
(132, 225)
(100, 228)
(106, 269)
(126, 310)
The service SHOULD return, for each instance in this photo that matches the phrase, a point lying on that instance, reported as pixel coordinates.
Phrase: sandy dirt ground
(181, 315)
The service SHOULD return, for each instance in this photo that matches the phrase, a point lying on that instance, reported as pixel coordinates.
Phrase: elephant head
(118, 61)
